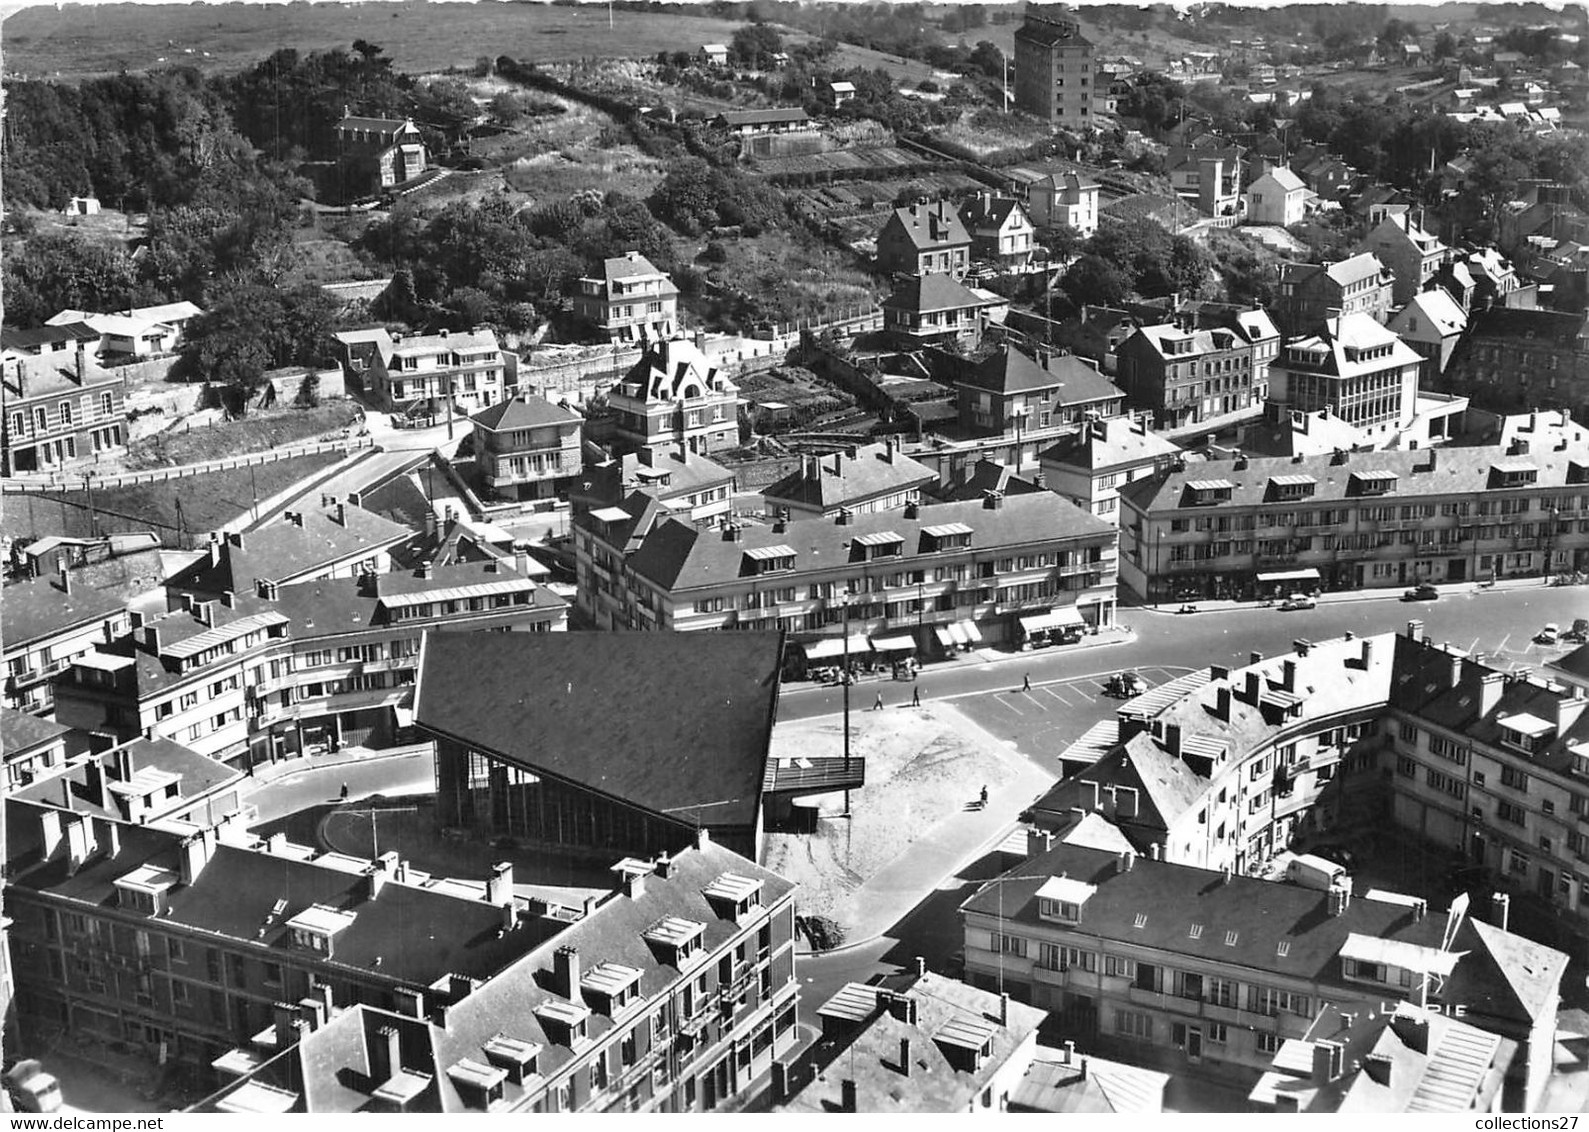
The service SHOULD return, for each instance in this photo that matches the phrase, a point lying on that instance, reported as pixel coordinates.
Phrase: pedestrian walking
(344, 791)
(915, 697)
(1026, 682)
(984, 795)
(878, 705)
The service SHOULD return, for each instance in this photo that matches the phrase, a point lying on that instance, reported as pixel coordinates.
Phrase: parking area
(1041, 721)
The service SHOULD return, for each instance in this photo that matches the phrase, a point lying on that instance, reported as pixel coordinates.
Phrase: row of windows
(65, 415)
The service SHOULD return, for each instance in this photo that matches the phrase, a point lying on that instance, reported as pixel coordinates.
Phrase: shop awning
(1309, 575)
(945, 635)
(1053, 619)
(969, 628)
(830, 647)
(404, 716)
(894, 644)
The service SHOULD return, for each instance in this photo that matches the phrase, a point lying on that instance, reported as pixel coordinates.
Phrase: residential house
(770, 132)
(974, 480)
(52, 414)
(527, 448)
(1208, 177)
(143, 781)
(375, 154)
(922, 238)
(1001, 232)
(1211, 972)
(957, 1047)
(1090, 467)
(1327, 175)
(31, 747)
(1054, 68)
(862, 480)
(935, 310)
(430, 376)
(61, 342)
(673, 992)
(1065, 198)
(360, 349)
(1513, 360)
(841, 92)
(1412, 254)
(1312, 292)
(1201, 366)
(675, 397)
(1064, 1081)
(1354, 520)
(1277, 197)
(124, 335)
(900, 580)
(1009, 391)
(714, 54)
(695, 488)
(631, 301)
(531, 743)
(1432, 324)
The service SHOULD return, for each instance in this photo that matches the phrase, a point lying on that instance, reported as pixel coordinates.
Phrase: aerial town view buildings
(795, 557)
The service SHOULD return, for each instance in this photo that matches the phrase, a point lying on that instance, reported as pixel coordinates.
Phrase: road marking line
(1083, 695)
(999, 696)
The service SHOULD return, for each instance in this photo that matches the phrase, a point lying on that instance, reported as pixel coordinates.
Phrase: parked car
(1311, 871)
(1298, 601)
(1421, 592)
(32, 1089)
(1579, 633)
(1549, 635)
(1338, 853)
(1124, 685)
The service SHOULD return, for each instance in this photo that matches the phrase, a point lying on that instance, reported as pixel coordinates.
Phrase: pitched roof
(982, 477)
(282, 550)
(1355, 269)
(927, 226)
(446, 341)
(524, 411)
(921, 294)
(1011, 370)
(672, 369)
(39, 608)
(39, 335)
(767, 116)
(20, 731)
(677, 557)
(625, 710)
(839, 479)
(1283, 177)
(1438, 307)
(1109, 443)
(1333, 348)
(630, 265)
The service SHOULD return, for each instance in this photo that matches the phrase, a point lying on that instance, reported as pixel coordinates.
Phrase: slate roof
(1328, 350)
(617, 713)
(875, 470)
(27, 339)
(1439, 310)
(673, 369)
(771, 115)
(990, 213)
(39, 608)
(524, 411)
(1283, 178)
(1112, 443)
(677, 557)
(870, 1057)
(921, 294)
(631, 265)
(929, 226)
(1065, 1082)
(280, 551)
(72, 788)
(1456, 470)
(985, 476)
(1011, 371)
(444, 343)
(1561, 328)
(21, 732)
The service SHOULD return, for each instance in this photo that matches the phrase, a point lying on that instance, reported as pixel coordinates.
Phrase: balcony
(1146, 997)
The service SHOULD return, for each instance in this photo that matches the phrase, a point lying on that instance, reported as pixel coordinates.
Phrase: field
(78, 41)
(208, 501)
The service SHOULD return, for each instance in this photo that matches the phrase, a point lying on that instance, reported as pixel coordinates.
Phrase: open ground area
(923, 767)
(258, 432)
(47, 41)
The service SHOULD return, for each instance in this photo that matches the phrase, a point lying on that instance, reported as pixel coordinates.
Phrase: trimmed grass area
(74, 42)
(208, 501)
(923, 765)
(257, 432)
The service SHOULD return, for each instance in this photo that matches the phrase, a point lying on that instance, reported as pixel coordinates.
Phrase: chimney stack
(1251, 692)
(847, 1095)
(1500, 910)
(1004, 1008)
(521, 558)
(1491, 685)
(904, 1056)
(566, 968)
(499, 885)
(1415, 631)
(66, 574)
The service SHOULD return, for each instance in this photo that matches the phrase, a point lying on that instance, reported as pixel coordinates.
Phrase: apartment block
(1312, 292)
(1356, 520)
(526, 447)
(1091, 467)
(1399, 242)
(674, 992)
(51, 620)
(56, 409)
(1353, 366)
(1010, 391)
(862, 480)
(1199, 366)
(902, 582)
(1054, 68)
(674, 396)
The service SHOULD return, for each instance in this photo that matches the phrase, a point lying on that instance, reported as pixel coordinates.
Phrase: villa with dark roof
(600, 743)
(1001, 232)
(526, 447)
(924, 239)
(377, 153)
(934, 309)
(861, 480)
(631, 300)
(1010, 390)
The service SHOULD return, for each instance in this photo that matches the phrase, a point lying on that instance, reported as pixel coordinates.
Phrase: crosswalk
(1078, 694)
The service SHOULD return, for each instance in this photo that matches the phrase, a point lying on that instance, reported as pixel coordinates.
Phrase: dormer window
(1208, 493)
(769, 559)
(678, 939)
(1060, 899)
(1373, 483)
(966, 1042)
(564, 1022)
(883, 544)
(733, 895)
(479, 1086)
(1524, 732)
(518, 1058)
(315, 928)
(144, 889)
(1513, 473)
(614, 986)
(1291, 487)
(947, 536)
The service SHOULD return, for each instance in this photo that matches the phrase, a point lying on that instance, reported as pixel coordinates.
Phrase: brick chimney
(566, 973)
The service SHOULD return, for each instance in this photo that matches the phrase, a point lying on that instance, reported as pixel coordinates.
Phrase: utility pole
(88, 491)
(844, 679)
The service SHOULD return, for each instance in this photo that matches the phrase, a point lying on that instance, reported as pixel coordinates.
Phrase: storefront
(958, 636)
(1279, 583)
(1061, 626)
(826, 657)
(898, 651)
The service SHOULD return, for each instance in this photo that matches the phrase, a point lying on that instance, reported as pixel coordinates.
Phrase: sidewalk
(1388, 593)
(346, 756)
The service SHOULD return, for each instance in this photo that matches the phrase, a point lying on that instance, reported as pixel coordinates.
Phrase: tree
(52, 272)
(1445, 46)
(1093, 279)
(1061, 240)
(987, 58)
(754, 45)
(308, 391)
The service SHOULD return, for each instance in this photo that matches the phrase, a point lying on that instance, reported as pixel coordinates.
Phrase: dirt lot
(922, 766)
